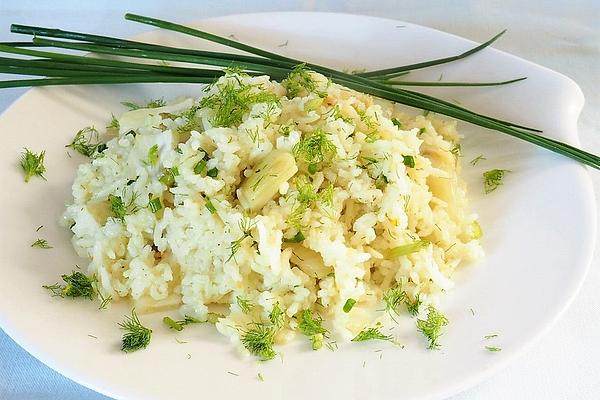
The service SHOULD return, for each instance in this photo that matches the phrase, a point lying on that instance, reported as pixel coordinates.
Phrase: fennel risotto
(276, 208)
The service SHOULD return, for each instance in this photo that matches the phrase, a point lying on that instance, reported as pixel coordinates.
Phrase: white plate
(539, 232)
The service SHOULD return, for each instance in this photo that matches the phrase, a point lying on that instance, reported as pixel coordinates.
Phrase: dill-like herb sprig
(393, 298)
(474, 161)
(233, 101)
(245, 305)
(33, 164)
(413, 306)
(372, 334)
(136, 335)
(312, 326)
(276, 316)
(87, 142)
(432, 326)
(76, 285)
(300, 82)
(118, 207)
(315, 149)
(259, 339)
(492, 179)
(41, 244)
(246, 227)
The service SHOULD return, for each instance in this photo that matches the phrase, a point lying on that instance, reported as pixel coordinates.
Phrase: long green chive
(463, 84)
(269, 63)
(431, 63)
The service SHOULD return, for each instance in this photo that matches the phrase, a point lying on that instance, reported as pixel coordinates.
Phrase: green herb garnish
(131, 105)
(168, 176)
(245, 305)
(233, 101)
(259, 339)
(104, 301)
(200, 167)
(41, 244)
(179, 325)
(300, 82)
(154, 204)
(246, 227)
(315, 149)
(413, 306)
(76, 285)
(456, 150)
(119, 209)
(297, 238)
(409, 161)
(86, 142)
(33, 164)
(407, 249)
(312, 326)
(154, 103)
(210, 206)
(348, 305)
(492, 179)
(432, 326)
(372, 334)
(392, 298)
(213, 172)
(110, 71)
(276, 316)
(153, 155)
(114, 122)
(136, 335)
(474, 161)
(493, 349)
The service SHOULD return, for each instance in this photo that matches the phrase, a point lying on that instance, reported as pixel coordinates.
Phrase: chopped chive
(41, 243)
(348, 305)
(213, 172)
(210, 206)
(153, 155)
(297, 238)
(409, 248)
(200, 167)
(155, 204)
(172, 324)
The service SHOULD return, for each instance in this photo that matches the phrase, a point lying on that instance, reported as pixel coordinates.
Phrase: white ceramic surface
(539, 232)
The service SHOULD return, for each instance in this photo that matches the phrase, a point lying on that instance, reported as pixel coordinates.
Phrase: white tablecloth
(562, 35)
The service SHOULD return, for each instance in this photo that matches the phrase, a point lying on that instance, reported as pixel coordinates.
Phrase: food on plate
(274, 210)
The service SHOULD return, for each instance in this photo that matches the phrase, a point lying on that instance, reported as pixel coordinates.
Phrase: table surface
(561, 35)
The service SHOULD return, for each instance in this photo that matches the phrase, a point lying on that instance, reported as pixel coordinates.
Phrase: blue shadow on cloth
(23, 377)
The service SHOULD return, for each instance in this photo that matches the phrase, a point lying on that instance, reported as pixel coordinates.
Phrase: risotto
(276, 208)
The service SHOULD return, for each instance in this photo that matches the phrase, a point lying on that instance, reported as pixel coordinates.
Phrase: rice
(204, 251)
